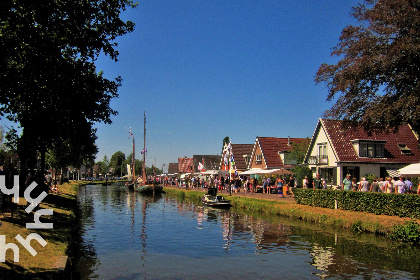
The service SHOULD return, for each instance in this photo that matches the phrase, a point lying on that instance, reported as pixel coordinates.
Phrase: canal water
(124, 235)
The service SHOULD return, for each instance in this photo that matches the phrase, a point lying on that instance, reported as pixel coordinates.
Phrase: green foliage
(409, 232)
(49, 83)
(138, 164)
(370, 177)
(377, 203)
(357, 227)
(301, 172)
(105, 165)
(116, 162)
(378, 68)
(225, 141)
(298, 151)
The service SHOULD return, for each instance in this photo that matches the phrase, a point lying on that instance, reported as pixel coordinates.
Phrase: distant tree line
(117, 165)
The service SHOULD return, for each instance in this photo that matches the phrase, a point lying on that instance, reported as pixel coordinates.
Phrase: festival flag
(130, 134)
(143, 151)
(200, 166)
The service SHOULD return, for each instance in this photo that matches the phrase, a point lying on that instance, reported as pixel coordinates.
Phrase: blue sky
(203, 70)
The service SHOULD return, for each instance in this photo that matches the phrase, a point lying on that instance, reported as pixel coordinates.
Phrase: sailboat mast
(134, 160)
(144, 150)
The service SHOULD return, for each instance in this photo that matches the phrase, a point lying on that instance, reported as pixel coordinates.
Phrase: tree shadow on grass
(15, 271)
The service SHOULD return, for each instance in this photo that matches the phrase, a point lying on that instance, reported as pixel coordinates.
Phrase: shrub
(377, 203)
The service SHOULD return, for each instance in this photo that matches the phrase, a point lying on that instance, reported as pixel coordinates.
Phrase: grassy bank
(403, 229)
(45, 263)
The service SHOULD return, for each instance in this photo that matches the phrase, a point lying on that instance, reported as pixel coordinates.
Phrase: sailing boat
(146, 187)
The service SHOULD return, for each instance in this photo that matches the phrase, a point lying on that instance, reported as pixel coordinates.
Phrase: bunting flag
(225, 159)
(143, 151)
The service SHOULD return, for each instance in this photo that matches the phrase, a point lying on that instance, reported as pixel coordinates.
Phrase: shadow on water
(81, 251)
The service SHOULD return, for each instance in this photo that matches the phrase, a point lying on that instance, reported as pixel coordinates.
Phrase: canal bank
(50, 260)
(272, 204)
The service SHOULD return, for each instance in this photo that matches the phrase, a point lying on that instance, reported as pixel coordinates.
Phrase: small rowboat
(214, 200)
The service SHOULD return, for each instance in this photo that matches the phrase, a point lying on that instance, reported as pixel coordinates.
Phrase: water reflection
(126, 235)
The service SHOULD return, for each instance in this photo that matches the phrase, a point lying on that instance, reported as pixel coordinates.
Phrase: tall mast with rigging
(134, 161)
(144, 150)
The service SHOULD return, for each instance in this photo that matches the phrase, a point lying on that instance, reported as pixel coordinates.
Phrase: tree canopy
(376, 80)
(49, 84)
(116, 162)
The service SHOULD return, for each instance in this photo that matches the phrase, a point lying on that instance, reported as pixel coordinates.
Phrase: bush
(378, 203)
(301, 172)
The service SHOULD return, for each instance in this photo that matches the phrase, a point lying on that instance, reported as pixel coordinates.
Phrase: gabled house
(241, 155)
(185, 165)
(172, 168)
(271, 152)
(339, 148)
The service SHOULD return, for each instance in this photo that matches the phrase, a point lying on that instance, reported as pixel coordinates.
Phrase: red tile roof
(238, 151)
(271, 146)
(340, 138)
(185, 165)
(173, 168)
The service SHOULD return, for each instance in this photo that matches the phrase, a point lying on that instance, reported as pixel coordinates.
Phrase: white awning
(393, 172)
(252, 171)
(412, 170)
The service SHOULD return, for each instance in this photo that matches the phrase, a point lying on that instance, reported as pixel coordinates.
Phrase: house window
(404, 149)
(258, 158)
(371, 149)
(322, 149)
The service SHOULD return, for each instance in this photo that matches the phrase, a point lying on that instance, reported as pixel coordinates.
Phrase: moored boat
(149, 188)
(212, 199)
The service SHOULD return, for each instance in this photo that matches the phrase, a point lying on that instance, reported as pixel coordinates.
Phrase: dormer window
(369, 148)
(258, 158)
(404, 149)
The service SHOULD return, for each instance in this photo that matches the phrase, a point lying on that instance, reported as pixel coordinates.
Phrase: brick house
(271, 153)
(241, 154)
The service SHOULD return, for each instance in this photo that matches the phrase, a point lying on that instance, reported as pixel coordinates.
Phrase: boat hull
(149, 189)
(215, 201)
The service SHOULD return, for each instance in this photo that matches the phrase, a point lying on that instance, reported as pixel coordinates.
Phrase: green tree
(377, 79)
(298, 151)
(300, 173)
(116, 162)
(225, 141)
(105, 165)
(138, 164)
(49, 83)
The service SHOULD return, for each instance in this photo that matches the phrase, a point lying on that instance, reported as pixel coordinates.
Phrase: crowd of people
(399, 185)
(237, 184)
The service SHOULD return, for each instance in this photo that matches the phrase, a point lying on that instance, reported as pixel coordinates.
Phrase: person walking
(264, 185)
(388, 185)
(268, 185)
(374, 187)
(364, 185)
(254, 185)
(316, 184)
(305, 182)
(400, 185)
(291, 185)
(346, 185)
(408, 185)
(280, 187)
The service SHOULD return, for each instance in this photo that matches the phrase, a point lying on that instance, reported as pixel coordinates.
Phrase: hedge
(401, 205)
